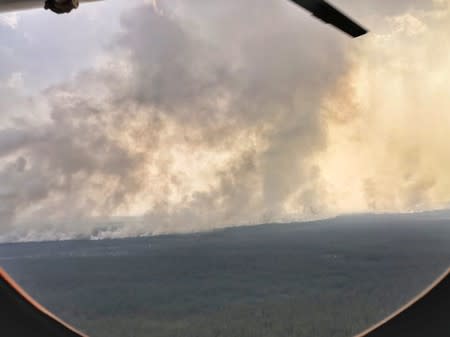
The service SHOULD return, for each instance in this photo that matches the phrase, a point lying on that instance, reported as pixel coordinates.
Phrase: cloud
(9, 20)
(126, 131)
(393, 115)
(209, 114)
(385, 8)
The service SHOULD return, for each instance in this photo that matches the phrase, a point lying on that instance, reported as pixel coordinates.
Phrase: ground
(327, 278)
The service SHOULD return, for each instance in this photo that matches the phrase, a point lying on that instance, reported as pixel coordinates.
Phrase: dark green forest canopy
(325, 278)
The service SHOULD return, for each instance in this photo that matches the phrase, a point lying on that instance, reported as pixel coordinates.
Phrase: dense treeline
(330, 278)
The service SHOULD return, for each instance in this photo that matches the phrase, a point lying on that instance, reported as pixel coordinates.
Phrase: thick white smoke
(210, 114)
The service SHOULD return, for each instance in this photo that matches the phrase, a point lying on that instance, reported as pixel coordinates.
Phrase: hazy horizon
(129, 227)
(207, 114)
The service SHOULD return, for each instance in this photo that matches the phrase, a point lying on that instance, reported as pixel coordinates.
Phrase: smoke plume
(208, 114)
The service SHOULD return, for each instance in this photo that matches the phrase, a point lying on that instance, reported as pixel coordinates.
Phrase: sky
(129, 118)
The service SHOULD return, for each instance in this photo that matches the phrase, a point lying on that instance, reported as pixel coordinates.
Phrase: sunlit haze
(130, 118)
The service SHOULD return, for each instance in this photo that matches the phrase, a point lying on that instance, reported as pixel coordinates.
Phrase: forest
(324, 278)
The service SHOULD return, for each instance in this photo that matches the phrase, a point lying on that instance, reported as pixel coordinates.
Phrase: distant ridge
(114, 227)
